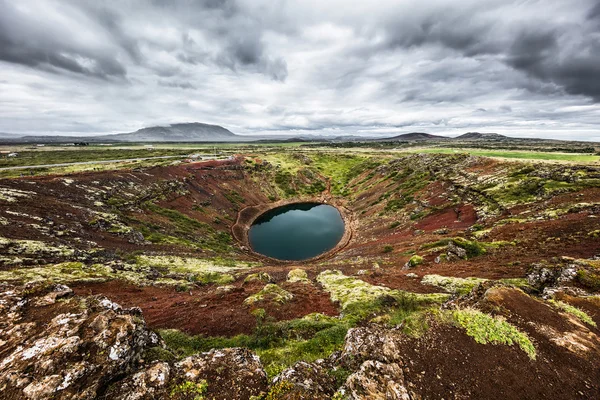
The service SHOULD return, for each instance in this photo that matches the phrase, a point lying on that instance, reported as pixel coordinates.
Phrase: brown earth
(204, 311)
(444, 363)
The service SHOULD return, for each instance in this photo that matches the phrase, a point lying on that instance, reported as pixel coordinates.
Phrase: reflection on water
(297, 231)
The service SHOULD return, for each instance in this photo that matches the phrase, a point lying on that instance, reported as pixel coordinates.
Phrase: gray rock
(310, 380)
(80, 345)
(371, 343)
(234, 373)
(455, 251)
(376, 380)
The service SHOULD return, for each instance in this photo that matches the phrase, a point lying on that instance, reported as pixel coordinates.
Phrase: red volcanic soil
(459, 217)
(205, 311)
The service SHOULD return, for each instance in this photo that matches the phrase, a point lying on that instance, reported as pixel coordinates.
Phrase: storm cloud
(383, 67)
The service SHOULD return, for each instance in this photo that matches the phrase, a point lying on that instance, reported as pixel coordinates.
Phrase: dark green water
(297, 231)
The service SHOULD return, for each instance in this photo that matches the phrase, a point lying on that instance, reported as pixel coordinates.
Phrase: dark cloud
(30, 39)
(177, 84)
(572, 66)
(334, 67)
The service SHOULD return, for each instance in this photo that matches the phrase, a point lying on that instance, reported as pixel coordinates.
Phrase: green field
(521, 155)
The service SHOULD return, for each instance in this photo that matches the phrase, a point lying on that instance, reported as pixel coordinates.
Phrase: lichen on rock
(298, 275)
(271, 292)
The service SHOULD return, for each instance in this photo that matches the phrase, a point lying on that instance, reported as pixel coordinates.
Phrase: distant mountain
(4, 135)
(187, 132)
(412, 136)
(481, 136)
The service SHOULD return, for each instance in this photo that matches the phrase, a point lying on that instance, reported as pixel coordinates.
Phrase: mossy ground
(485, 328)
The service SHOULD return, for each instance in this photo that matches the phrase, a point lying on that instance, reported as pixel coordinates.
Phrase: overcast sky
(522, 68)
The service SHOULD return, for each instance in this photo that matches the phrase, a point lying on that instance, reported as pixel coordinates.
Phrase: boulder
(69, 349)
(309, 380)
(371, 343)
(456, 252)
(233, 373)
(546, 279)
(376, 380)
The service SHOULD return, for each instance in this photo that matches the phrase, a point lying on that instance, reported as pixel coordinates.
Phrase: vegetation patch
(185, 230)
(588, 279)
(189, 390)
(33, 247)
(473, 248)
(298, 275)
(580, 314)
(360, 300)
(414, 261)
(453, 285)
(258, 277)
(271, 292)
(485, 329)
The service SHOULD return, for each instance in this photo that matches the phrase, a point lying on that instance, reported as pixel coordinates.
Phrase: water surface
(297, 231)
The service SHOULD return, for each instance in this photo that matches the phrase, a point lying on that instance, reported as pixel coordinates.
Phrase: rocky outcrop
(52, 346)
(376, 380)
(57, 346)
(371, 343)
(309, 380)
(218, 374)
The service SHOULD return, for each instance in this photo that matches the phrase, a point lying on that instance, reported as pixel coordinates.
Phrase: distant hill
(4, 135)
(412, 136)
(481, 136)
(186, 132)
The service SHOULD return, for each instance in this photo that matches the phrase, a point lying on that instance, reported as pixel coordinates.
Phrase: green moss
(582, 315)
(182, 229)
(321, 345)
(278, 391)
(347, 290)
(588, 279)
(189, 390)
(485, 329)
(169, 270)
(259, 276)
(452, 284)
(388, 248)
(298, 275)
(415, 260)
(473, 248)
(521, 283)
(234, 197)
(33, 247)
(205, 278)
(271, 292)
(158, 354)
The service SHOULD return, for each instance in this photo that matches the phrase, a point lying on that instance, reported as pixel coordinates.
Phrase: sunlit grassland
(516, 154)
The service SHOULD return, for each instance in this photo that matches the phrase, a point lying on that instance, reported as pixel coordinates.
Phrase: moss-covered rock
(414, 261)
(258, 277)
(298, 275)
(271, 292)
(452, 284)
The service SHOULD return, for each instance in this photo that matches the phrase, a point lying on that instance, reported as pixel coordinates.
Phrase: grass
(521, 155)
(580, 314)
(485, 329)
(170, 271)
(185, 231)
(473, 248)
(279, 345)
(315, 336)
(451, 284)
